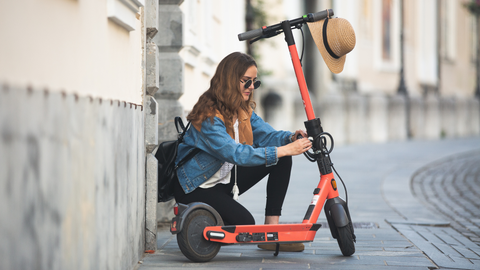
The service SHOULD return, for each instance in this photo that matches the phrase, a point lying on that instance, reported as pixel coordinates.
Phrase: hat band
(325, 42)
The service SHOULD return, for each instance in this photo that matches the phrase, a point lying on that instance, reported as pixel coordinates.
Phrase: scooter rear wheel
(345, 240)
(191, 241)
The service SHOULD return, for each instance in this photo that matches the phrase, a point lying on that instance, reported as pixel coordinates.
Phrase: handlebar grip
(250, 34)
(322, 14)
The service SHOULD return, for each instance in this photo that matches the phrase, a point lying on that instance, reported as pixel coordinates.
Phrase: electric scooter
(199, 228)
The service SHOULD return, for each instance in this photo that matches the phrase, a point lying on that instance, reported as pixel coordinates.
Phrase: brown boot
(294, 247)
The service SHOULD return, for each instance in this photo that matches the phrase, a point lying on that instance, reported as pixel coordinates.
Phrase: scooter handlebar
(322, 14)
(310, 17)
(250, 34)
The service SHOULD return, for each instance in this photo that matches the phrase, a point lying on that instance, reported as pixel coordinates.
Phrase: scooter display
(199, 228)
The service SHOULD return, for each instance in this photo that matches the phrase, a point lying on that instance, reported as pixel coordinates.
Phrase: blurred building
(412, 73)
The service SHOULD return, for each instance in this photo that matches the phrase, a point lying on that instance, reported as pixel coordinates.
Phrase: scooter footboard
(257, 234)
(338, 216)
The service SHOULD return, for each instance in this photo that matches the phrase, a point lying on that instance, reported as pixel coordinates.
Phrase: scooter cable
(303, 45)
(344, 186)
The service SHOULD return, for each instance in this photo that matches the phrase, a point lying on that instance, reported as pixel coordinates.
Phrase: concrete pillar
(417, 117)
(356, 126)
(432, 117)
(474, 116)
(378, 118)
(397, 118)
(151, 120)
(462, 117)
(151, 172)
(170, 79)
(447, 117)
(151, 202)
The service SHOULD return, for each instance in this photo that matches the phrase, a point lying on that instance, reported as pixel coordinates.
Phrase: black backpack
(166, 155)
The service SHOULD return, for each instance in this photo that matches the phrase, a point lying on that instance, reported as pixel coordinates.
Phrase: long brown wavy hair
(224, 93)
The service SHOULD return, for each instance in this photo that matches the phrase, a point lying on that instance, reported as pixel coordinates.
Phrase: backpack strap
(179, 125)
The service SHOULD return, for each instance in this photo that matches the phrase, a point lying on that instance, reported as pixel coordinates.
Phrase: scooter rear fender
(184, 210)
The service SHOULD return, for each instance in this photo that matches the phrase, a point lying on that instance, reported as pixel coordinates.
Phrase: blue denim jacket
(217, 147)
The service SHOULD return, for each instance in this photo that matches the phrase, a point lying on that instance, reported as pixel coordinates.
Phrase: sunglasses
(247, 83)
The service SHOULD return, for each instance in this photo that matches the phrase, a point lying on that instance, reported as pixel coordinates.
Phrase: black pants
(221, 198)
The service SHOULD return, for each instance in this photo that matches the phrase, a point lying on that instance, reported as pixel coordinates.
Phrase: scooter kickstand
(277, 249)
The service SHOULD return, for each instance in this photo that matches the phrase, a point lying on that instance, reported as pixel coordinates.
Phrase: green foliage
(258, 16)
(474, 7)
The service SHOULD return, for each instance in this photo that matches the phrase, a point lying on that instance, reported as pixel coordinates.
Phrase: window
(474, 38)
(386, 29)
(386, 35)
(448, 25)
(123, 12)
(426, 48)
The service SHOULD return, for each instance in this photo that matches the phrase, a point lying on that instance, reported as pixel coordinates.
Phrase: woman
(229, 133)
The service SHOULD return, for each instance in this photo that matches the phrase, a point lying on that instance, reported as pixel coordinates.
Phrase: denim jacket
(218, 146)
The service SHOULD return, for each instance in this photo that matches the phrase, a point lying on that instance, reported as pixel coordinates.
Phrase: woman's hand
(301, 132)
(295, 148)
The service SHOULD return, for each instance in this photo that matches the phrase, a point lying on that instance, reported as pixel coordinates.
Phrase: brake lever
(268, 35)
(256, 39)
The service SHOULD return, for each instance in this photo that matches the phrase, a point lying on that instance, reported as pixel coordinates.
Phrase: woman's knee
(285, 162)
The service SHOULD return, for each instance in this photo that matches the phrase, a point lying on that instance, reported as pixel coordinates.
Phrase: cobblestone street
(452, 187)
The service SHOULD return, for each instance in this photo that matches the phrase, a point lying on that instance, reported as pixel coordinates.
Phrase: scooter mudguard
(184, 210)
(337, 214)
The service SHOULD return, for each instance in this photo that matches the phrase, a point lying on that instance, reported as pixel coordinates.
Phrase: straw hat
(334, 39)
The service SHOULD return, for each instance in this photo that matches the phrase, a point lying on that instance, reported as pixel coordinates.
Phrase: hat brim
(334, 64)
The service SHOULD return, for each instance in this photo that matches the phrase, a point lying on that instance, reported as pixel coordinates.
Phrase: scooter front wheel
(345, 240)
(191, 241)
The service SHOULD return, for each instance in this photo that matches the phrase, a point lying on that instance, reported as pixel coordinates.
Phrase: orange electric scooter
(199, 228)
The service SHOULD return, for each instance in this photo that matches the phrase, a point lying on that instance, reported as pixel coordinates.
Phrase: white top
(222, 176)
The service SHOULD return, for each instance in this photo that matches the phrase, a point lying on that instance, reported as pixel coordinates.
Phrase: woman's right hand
(295, 148)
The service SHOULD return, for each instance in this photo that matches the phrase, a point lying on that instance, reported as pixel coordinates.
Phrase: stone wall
(171, 83)
(72, 181)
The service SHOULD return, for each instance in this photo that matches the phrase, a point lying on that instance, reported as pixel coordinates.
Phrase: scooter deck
(268, 233)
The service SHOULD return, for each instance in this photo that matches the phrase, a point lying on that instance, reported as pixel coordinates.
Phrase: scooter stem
(307, 103)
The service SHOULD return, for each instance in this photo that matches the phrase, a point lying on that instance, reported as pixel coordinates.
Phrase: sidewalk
(400, 230)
